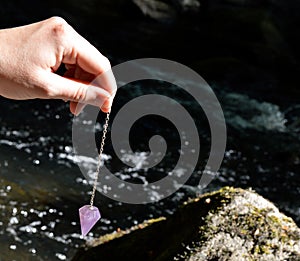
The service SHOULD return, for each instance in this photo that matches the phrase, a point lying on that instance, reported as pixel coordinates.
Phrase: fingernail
(105, 109)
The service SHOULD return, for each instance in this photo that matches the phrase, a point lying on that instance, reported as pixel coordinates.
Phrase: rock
(249, 227)
(229, 224)
(155, 9)
(164, 11)
(188, 6)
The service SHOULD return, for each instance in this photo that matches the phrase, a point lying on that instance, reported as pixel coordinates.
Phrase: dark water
(253, 73)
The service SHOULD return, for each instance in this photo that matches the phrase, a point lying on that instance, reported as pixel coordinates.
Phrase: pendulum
(89, 214)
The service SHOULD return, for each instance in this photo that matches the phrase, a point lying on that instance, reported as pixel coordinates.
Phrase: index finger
(80, 52)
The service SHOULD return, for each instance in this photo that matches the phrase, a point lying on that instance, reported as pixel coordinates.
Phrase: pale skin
(31, 54)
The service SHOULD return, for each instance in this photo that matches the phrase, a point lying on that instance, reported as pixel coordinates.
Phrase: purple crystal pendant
(89, 215)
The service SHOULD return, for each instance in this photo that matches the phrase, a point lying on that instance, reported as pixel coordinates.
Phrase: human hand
(30, 55)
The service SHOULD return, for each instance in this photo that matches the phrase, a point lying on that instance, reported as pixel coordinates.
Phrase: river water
(41, 186)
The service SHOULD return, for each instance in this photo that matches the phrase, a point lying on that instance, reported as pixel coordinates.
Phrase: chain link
(105, 126)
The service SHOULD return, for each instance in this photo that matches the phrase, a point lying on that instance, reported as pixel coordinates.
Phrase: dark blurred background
(247, 50)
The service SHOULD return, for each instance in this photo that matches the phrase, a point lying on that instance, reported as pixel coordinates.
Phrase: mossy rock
(229, 224)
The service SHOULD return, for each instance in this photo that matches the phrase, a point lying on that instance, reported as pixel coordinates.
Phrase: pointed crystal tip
(89, 215)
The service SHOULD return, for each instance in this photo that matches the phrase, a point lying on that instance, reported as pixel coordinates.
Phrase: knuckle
(57, 20)
(58, 26)
(80, 93)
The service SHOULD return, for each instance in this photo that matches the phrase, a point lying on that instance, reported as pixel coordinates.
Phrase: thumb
(75, 91)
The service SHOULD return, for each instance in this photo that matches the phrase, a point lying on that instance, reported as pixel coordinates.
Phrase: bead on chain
(105, 126)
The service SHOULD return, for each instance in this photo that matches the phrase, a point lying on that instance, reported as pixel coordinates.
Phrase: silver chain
(105, 126)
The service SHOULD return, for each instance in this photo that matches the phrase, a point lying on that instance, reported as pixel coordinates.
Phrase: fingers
(77, 107)
(84, 55)
(79, 51)
(85, 60)
(105, 80)
(101, 81)
(77, 92)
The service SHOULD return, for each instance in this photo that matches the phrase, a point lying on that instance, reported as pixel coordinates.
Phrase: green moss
(120, 233)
